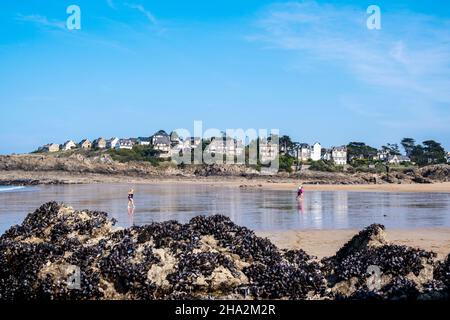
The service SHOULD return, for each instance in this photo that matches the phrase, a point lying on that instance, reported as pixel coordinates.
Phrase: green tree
(434, 152)
(431, 152)
(417, 155)
(392, 149)
(286, 163)
(286, 145)
(408, 145)
(360, 149)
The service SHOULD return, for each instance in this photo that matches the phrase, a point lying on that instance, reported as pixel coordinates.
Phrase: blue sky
(309, 68)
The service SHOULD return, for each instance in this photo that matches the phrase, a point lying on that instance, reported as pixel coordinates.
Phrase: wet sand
(325, 243)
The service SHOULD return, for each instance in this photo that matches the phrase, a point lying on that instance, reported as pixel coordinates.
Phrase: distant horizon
(312, 69)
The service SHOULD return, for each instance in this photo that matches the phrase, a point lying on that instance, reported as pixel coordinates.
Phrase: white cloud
(41, 21)
(144, 11)
(402, 72)
(410, 54)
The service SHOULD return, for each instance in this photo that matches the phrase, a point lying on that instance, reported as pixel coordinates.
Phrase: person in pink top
(300, 192)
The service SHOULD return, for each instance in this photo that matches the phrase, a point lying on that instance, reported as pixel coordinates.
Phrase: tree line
(426, 153)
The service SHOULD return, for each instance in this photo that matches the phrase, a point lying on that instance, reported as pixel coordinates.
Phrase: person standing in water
(131, 199)
(300, 192)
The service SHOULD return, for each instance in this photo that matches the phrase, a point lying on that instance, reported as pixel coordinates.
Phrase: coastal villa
(307, 152)
(85, 144)
(339, 155)
(174, 138)
(112, 143)
(304, 152)
(187, 145)
(316, 151)
(326, 154)
(126, 144)
(268, 151)
(226, 146)
(99, 143)
(143, 141)
(398, 159)
(69, 145)
(382, 155)
(161, 143)
(51, 147)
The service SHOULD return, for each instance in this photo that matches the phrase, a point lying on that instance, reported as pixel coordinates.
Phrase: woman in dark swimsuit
(131, 199)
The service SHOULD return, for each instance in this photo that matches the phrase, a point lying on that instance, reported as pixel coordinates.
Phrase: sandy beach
(325, 243)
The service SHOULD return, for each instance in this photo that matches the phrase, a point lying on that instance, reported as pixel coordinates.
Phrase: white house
(382, 155)
(316, 151)
(326, 154)
(339, 155)
(304, 152)
(227, 146)
(174, 138)
(112, 143)
(126, 144)
(143, 141)
(397, 159)
(268, 151)
(161, 142)
(69, 145)
(448, 157)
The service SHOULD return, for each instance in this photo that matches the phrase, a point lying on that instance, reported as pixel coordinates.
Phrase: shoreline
(267, 182)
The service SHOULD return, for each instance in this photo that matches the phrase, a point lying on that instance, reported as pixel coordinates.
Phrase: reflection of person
(300, 208)
(131, 199)
(300, 192)
(130, 216)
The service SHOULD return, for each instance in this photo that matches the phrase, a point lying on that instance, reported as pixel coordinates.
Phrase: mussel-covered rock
(369, 267)
(60, 253)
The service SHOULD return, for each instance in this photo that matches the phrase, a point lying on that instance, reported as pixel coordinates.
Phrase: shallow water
(255, 208)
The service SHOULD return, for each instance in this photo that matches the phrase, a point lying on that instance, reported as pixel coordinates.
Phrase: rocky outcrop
(60, 253)
(76, 163)
(438, 172)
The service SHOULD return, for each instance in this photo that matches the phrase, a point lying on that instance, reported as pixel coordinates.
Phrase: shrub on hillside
(326, 166)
